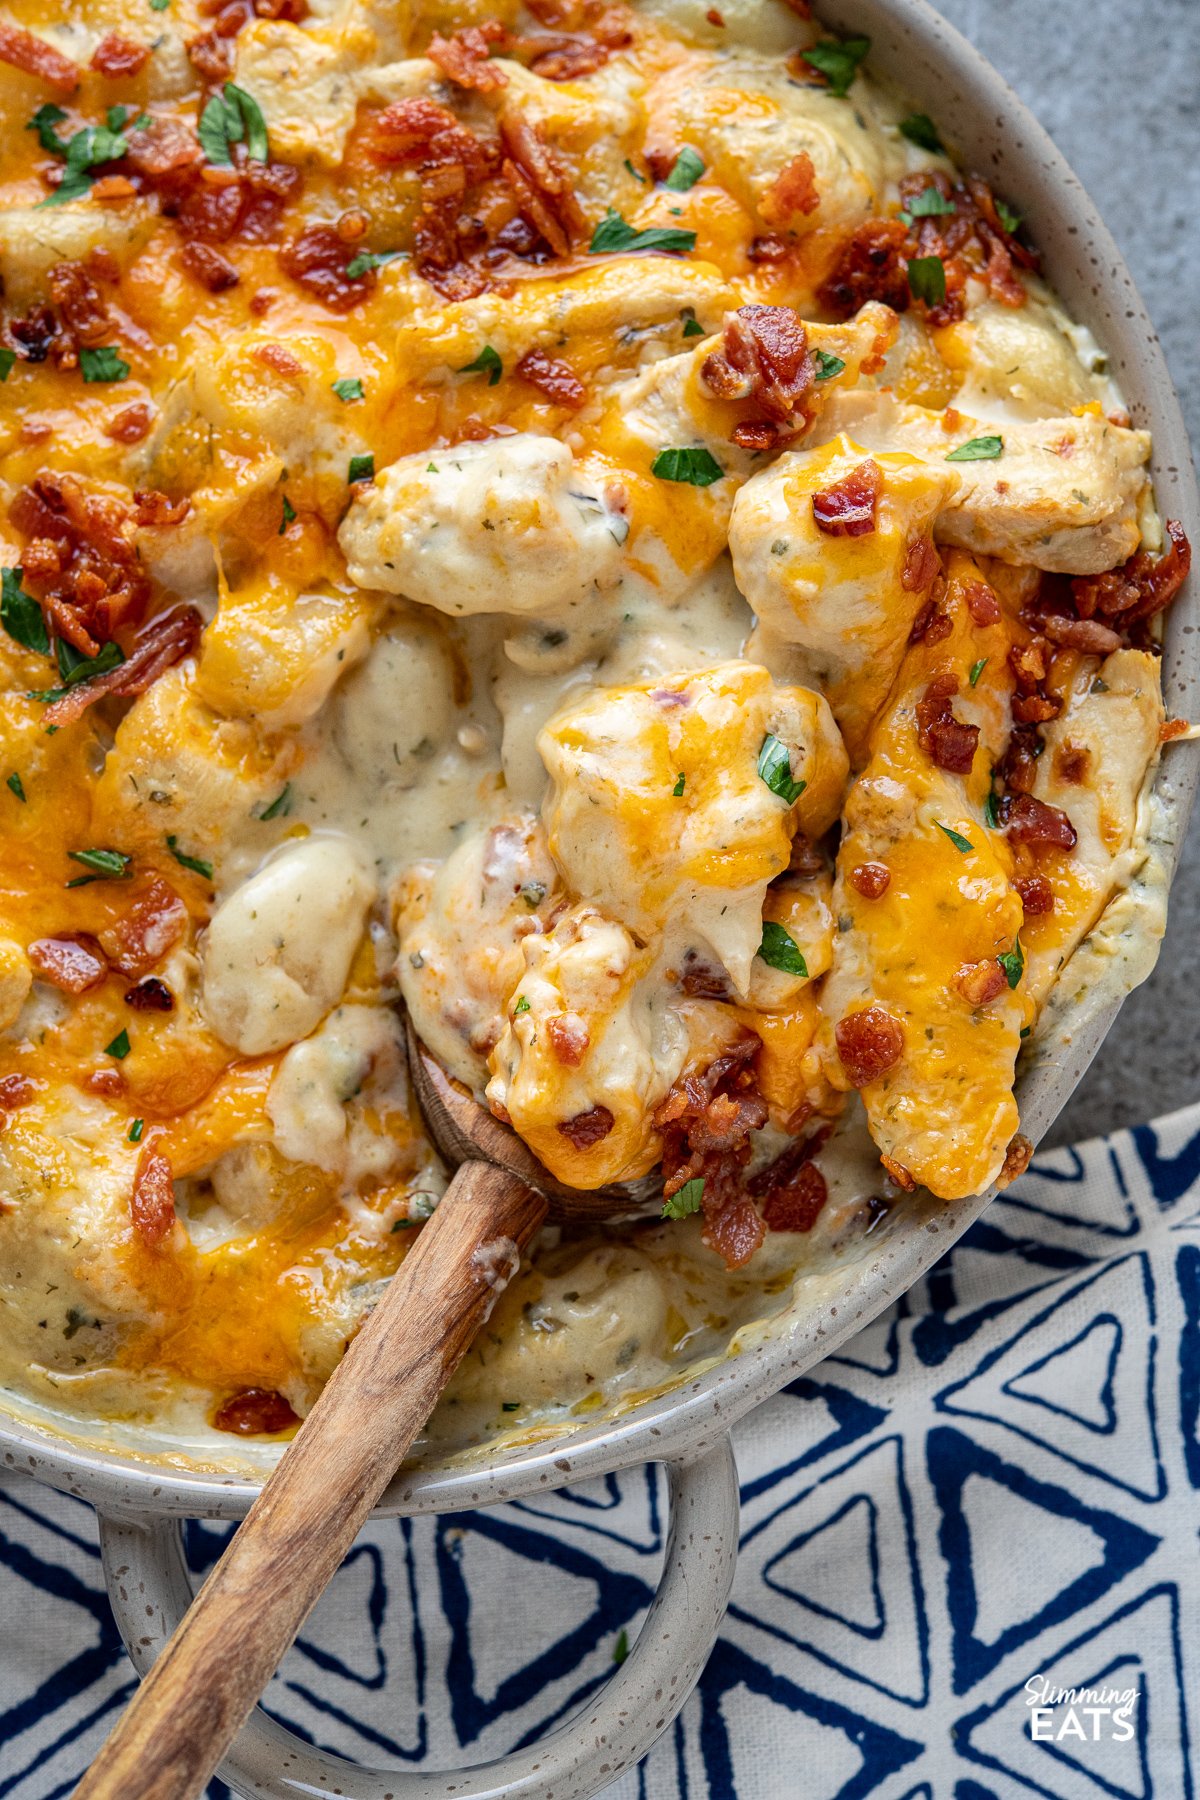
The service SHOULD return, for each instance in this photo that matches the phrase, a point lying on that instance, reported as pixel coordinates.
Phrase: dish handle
(150, 1591)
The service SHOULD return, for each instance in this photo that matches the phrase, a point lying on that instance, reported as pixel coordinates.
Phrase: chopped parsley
(9, 357)
(366, 260)
(231, 116)
(119, 1046)
(102, 363)
(289, 513)
(932, 204)
(634, 173)
(686, 170)
(980, 449)
(961, 844)
(621, 1647)
(43, 122)
(74, 668)
(510, 1406)
(696, 467)
(677, 790)
(136, 1130)
(691, 324)
(920, 130)
(686, 1201)
(105, 865)
(117, 117)
(159, 5)
(20, 613)
(779, 950)
(522, 1006)
(991, 817)
(280, 806)
(195, 863)
(362, 468)
(775, 767)
(1010, 220)
(614, 234)
(927, 279)
(348, 388)
(837, 59)
(977, 670)
(486, 363)
(90, 146)
(1013, 963)
(828, 366)
(15, 786)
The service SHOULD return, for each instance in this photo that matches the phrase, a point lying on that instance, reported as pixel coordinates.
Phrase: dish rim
(991, 130)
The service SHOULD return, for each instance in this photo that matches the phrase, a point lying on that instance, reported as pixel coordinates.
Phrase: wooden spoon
(194, 1701)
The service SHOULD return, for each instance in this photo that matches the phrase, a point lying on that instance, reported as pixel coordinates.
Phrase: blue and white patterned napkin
(990, 1496)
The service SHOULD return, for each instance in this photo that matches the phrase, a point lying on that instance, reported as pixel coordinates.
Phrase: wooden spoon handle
(195, 1699)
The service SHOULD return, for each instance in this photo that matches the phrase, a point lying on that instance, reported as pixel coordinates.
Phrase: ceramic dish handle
(150, 1592)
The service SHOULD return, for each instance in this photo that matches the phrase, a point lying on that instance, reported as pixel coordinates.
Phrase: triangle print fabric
(988, 1497)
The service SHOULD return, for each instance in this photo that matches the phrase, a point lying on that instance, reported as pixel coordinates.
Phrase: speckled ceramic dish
(141, 1499)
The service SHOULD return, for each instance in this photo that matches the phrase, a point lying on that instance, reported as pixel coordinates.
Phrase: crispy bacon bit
(903, 1178)
(279, 360)
(74, 964)
(1017, 1159)
(870, 879)
(922, 565)
(15, 1091)
(130, 425)
(701, 980)
(79, 301)
(153, 510)
(1030, 664)
(1172, 729)
(1037, 896)
(869, 1043)
(1071, 763)
(150, 995)
(931, 625)
(540, 182)
(982, 981)
(847, 507)
(714, 18)
(764, 359)
(450, 159)
(947, 742)
(568, 1038)
(317, 259)
(557, 380)
(871, 265)
(792, 1189)
(1139, 588)
(152, 1203)
(34, 56)
(34, 334)
(706, 1121)
(768, 248)
(587, 1128)
(465, 56)
(211, 56)
(1030, 821)
(163, 148)
(1018, 769)
(81, 561)
(150, 926)
(793, 191)
(167, 640)
(207, 266)
(1088, 635)
(982, 603)
(255, 1412)
(115, 57)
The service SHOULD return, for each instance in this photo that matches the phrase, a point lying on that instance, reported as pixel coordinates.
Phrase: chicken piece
(845, 604)
(33, 240)
(309, 83)
(339, 1099)
(660, 810)
(461, 927)
(751, 121)
(1063, 495)
(922, 1015)
(585, 1054)
(771, 27)
(509, 525)
(1099, 753)
(274, 652)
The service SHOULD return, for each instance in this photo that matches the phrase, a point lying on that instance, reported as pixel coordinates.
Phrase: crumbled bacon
(212, 270)
(465, 56)
(1072, 763)
(767, 248)
(34, 334)
(150, 995)
(151, 925)
(540, 182)
(450, 159)
(79, 301)
(130, 425)
(255, 1412)
(211, 56)
(1140, 588)
(765, 360)
(1018, 767)
(557, 380)
(587, 1128)
(870, 879)
(317, 259)
(794, 190)
(981, 981)
(792, 1189)
(1027, 820)
(947, 742)
(982, 603)
(870, 265)
(73, 964)
(165, 147)
(568, 1038)
(869, 1043)
(702, 980)
(847, 507)
(931, 625)
(165, 641)
(1037, 896)
(115, 57)
(1088, 635)
(706, 1121)
(922, 565)
(34, 56)
(81, 560)
(15, 1091)
(154, 510)
(152, 1203)
(1017, 1159)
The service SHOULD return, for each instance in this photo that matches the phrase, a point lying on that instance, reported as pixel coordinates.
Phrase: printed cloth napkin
(968, 1570)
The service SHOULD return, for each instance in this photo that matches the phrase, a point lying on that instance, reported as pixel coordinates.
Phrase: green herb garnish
(779, 950)
(102, 364)
(932, 204)
(366, 260)
(977, 670)
(980, 449)
(927, 279)
(348, 388)
(775, 767)
(522, 1006)
(362, 468)
(9, 357)
(486, 363)
(15, 786)
(956, 838)
(686, 1201)
(119, 1047)
(837, 59)
(614, 234)
(281, 804)
(105, 865)
(195, 863)
(136, 1130)
(289, 513)
(20, 613)
(1013, 963)
(621, 1647)
(920, 130)
(828, 366)
(229, 117)
(696, 467)
(677, 790)
(686, 171)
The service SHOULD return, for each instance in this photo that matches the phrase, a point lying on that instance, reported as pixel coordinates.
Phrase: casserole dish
(139, 1499)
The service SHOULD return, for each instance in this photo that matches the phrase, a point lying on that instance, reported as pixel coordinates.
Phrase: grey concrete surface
(1118, 88)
